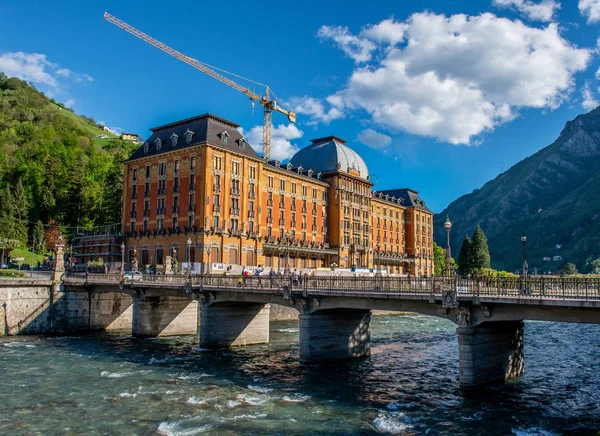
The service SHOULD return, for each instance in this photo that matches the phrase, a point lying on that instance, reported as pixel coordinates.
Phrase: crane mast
(269, 105)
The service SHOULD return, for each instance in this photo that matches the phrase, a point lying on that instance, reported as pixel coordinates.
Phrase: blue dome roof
(325, 154)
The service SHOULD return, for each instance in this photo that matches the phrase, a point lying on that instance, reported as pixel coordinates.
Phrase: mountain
(553, 196)
(69, 175)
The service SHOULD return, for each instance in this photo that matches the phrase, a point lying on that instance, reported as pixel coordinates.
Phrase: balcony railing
(175, 188)
(132, 214)
(235, 192)
(147, 212)
(191, 207)
(160, 211)
(192, 187)
(217, 188)
(175, 209)
(162, 191)
(147, 193)
(133, 195)
(234, 211)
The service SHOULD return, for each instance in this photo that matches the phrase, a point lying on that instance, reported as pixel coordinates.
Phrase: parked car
(132, 276)
(25, 267)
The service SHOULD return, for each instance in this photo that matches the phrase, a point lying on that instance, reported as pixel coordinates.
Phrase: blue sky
(439, 96)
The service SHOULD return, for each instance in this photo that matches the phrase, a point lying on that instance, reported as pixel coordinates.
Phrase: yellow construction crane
(266, 101)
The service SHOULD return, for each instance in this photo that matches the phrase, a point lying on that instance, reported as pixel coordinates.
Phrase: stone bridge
(335, 312)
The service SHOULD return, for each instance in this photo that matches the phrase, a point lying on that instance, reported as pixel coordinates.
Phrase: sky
(439, 96)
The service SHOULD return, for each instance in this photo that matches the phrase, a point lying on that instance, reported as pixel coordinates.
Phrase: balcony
(293, 223)
(175, 209)
(304, 226)
(282, 222)
(147, 212)
(192, 187)
(160, 210)
(175, 188)
(217, 188)
(191, 207)
(303, 210)
(235, 192)
(254, 235)
(147, 193)
(236, 233)
(219, 231)
(269, 202)
(162, 191)
(234, 211)
(216, 208)
(133, 195)
(250, 214)
(132, 214)
(251, 195)
(270, 220)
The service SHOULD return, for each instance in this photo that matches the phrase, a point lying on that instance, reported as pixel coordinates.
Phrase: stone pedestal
(335, 334)
(491, 352)
(234, 324)
(164, 316)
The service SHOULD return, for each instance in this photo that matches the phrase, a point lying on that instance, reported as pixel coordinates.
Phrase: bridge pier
(490, 352)
(335, 334)
(225, 325)
(164, 316)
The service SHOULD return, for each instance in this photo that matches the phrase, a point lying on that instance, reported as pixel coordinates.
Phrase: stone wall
(283, 313)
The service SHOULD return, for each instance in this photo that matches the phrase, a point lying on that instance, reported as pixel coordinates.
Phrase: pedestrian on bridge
(271, 277)
(258, 274)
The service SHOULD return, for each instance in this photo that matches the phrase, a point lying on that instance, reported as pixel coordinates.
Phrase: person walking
(271, 277)
(258, 273)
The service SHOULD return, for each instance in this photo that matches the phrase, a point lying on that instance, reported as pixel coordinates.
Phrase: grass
(27, 255)
(92, 130)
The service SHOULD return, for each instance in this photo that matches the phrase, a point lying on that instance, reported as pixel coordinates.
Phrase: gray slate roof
(411, 197)
(207, 128)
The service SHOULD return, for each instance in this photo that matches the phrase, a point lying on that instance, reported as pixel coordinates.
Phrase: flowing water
(112, 384)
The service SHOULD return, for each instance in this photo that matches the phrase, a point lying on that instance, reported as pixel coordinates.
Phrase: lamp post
(378, 258)
(287, 253)
(189, 264)
(524, 241)
(122, 259)
(448, 226)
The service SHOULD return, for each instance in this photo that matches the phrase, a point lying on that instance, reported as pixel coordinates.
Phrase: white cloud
(36, 68)
(597, 75)
(374, 139)
(316, 110)
(114, 130)
(542, 11)
(281, 137)
(590, 9)
(357, 48)
(70, 103)
(453, 78)
(589, 100)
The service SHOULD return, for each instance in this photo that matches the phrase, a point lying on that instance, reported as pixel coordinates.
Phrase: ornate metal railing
(562, 288)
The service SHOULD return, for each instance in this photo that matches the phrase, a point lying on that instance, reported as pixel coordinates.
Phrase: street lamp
(189, 264)
(378, 258)
(122, 259)
(524, 241)
(287, 254)
(448, 226)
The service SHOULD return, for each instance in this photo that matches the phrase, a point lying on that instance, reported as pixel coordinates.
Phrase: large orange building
(199, 180)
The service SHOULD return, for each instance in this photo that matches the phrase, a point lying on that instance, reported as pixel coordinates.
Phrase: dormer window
(242, 143)
(174, 140)
(289, 166)
(277, 164)
(188, 136)
(158, 143)
(224, 137)
(146, 147)
(300, 170)
(310, 173)
(319, 176)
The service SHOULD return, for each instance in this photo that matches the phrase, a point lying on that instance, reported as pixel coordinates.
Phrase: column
(335, 334)
(225, 325)
(491, 352)
(164, 316)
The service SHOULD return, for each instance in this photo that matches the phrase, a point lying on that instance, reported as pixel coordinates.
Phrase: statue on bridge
(134, 260)
(59, 253)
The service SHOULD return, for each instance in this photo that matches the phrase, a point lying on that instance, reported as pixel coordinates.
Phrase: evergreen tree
(465, 264)
(37, 237)
(7, 215)
(480, 253)
(20, 212)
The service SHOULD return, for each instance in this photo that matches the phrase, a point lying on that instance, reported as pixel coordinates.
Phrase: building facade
(197, 191)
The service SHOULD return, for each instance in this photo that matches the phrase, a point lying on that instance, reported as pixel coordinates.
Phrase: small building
(547, 259)
(98, 243)
(555, 258)
(129, 137)
(558, 246)
(106, 128)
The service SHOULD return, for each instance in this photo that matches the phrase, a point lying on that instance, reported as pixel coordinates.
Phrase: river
(112, 384)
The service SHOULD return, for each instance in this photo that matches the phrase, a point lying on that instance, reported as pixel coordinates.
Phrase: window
(293, 188)
(282, 185)
(251, 226)
(270, 181)
(175, 222)
(253, 172)
(218, 163)
(314, 193)
(235, 168)
(242, 143)
(146, 147)
(217, 181)
(162, 169)
(224, 137)
(135, 175)
(174, 140)
(304, 190)
(145, 226)
(190, 221)
(193, 163)
(216, 222)
(188, 136)
(158, 143)
(132, 226)
(217, 200)
(176, 166)
(148, 171)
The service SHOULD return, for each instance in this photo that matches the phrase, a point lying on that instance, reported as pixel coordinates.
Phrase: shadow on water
(409, 385)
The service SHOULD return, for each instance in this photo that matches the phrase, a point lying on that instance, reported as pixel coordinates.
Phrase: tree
(439, 256)
(569, 269)
(21, 212)
(51, 235)
(7, 215)
(480, 253)
(596, 266)
(37, 237)
(465, 263)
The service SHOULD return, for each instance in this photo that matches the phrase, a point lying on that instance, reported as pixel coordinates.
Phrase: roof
(275, 165)
(409, 196)
(330, 154)
(205, 128)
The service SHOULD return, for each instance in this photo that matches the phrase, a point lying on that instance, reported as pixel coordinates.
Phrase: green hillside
(68, 175)
(553, 196)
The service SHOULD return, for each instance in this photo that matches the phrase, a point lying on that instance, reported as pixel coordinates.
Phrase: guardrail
(563, 288)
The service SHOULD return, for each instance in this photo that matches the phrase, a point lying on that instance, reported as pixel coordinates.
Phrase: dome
(324, 155)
